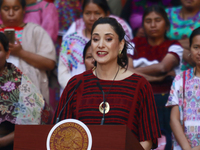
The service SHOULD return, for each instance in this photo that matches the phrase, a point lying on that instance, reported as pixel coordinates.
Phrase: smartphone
(10, 34)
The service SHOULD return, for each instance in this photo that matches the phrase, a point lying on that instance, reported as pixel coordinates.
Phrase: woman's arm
(166, 65)
(33, 59)
(146, 144)
(7, 140)
(187, 57)
(177, 128)
(64, 74)
(150, 78)
(185, 43)
(186, 52)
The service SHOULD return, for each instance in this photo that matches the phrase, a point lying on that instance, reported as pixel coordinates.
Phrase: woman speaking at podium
(128, 97)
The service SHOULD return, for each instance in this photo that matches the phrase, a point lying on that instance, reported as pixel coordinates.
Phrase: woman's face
(105, 44)
(89, 60)
(3, 56)
(12, 13)
(91, 13)
(154, 25)
(191, 4)
(195, 49)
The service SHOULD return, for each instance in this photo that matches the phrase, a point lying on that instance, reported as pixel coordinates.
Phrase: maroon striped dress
(131, 103)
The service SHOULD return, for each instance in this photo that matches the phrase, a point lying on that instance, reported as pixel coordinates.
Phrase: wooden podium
(104, 137)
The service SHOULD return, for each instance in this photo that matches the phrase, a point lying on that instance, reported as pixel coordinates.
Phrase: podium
(104, 137)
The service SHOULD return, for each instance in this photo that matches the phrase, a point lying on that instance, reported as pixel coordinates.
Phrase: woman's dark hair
(122, 60)
(4, 41)
(157, 9)
(85, 49)
(194, 33)
(101, 3)
(22, 2)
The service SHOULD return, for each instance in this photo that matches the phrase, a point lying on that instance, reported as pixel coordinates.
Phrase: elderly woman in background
(34, 52)
(20, 101)
(129, 96)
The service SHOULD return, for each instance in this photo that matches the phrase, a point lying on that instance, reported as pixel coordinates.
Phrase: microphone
(58, 118)
(104, 100)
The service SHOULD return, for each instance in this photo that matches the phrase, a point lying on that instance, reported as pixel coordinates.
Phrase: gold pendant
(107, 107)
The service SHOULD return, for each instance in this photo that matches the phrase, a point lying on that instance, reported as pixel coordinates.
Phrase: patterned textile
(72, 51)
(131, 102)
(20, 101)
(180, 29)
(69, 11)
(188, 106)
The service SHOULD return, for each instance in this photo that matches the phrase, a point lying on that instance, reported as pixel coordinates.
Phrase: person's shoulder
(33, 25)
(136, 78)
(172, 42)
(82, 76)
(139, 39)
(76, 36)
(36, 6)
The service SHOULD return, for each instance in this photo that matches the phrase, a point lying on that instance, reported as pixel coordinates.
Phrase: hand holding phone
(10, 34)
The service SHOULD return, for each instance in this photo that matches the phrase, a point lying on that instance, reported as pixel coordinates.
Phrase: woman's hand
(7, 140)
(177, 128)
(146, 144)
(33, 59)
(15, 49)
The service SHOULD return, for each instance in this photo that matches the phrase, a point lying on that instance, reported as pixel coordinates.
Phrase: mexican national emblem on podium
(69, 134)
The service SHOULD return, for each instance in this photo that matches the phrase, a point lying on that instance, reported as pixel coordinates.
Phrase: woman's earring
(120, 54)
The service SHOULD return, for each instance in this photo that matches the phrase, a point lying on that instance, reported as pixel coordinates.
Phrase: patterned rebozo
(20, 101)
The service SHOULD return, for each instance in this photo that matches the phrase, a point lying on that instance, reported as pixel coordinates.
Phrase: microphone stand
(58, 118)
(104, 100)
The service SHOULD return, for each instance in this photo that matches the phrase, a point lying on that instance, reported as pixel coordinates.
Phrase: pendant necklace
(106, 105)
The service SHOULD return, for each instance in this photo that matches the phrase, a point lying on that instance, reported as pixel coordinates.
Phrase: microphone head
(99, 86)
